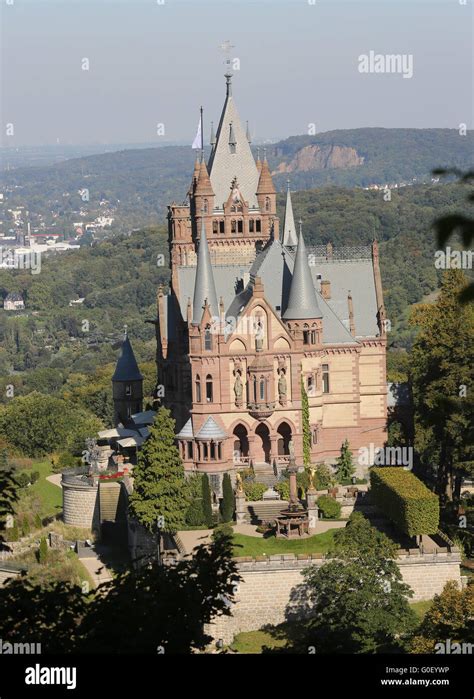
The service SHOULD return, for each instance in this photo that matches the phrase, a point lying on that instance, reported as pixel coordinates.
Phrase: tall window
(128, 389)
(313, 337)
(209, 388)
(190, 450)
(258, 223)
(233, 226)
(262, 389)
(267, 204)
(240, 226)
(221, 227)
(198, 389)
(215, 227)
(206, 206)
(207, 339)
(325, 378)
(305, 337)
(310, 384)
(251, 225)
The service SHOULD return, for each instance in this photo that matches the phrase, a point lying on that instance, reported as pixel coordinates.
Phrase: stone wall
(272, 589)
(80, 503)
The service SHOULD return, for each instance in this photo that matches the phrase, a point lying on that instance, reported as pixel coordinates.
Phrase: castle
(253, 316)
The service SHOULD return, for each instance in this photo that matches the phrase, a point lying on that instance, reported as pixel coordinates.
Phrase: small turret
(127, 384)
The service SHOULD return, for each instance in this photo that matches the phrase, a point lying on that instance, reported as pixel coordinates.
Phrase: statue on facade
(239, 486)
(259, 336)
(291, 448)
(312, 473)
(238, 388)
(282, 387)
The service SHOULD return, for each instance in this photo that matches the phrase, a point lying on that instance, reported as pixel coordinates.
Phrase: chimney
(325, 288)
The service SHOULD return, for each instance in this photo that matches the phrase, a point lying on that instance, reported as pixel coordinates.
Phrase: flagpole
(202, 138)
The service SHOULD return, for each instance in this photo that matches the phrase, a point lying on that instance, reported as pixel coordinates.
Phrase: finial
(213, 136)
(288, 183)
(248, 134)
(125, 332)
(301, 226)
(265, 154)
(258, 153)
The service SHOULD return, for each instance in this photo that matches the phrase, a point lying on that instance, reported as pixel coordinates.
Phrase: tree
(43, 550)
(306, 426)
(345, 466)
(442, 376)
(451, 616)
(358, 602)
(228, 500)
(8, 498)
(138, 611)
(206, 501)
(158, 500)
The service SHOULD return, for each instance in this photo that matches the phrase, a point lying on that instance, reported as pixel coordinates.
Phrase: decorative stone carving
(238, 388)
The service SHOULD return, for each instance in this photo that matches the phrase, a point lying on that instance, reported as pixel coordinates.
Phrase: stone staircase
(264, 474)
(263, 510)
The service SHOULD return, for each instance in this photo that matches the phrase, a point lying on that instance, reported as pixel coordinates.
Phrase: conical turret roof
(127, 367)
(303, 301)
(265, 182)
(203, 182)
(204, 287)
(290, 236)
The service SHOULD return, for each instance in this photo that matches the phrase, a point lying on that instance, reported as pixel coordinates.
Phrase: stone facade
(80, 503)
(272, 590)
(227, 347)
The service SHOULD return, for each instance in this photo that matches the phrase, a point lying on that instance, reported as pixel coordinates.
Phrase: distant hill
(140, 183)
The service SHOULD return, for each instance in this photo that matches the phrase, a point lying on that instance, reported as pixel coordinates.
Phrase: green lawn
(420, 608)
(50, 495)
(254, 641)
(257, 546)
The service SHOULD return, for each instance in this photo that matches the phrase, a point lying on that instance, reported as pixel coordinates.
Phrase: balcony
(260, 411)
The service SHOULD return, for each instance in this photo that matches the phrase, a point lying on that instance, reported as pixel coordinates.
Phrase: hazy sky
(153, 63)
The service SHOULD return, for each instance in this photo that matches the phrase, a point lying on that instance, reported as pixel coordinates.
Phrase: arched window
(208, 338)
(305, 334)
(209, 388)
(198, 389)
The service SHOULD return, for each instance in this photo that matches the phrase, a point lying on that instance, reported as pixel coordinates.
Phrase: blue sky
(156, 63)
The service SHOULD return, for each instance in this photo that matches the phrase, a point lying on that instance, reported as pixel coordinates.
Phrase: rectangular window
(128, 390)
(305, 337)
(325, 378)
(251, 226)
(259, 225)
(190, 450)
(221, 227)
(240, 226)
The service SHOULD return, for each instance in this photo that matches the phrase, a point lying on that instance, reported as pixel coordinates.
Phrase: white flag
(197, 143)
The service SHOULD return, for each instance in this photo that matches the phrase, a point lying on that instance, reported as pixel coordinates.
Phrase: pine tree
(43, 550)
(3, 458)
(158, 500)
(345, 466)
(306, 426)
(206, 501)
(228, 500)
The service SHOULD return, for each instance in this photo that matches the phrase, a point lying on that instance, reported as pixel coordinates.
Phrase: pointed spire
(204, 287)
(302, 302)
(197, 165)
(247, 133)
(203, 185)
(126, 368)
(290, 237)
(213, 135)
(265, 182)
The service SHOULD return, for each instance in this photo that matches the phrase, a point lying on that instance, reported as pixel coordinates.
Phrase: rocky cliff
(316, 157)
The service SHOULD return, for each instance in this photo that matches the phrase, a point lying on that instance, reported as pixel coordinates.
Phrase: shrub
(194, 515)
(330, 508)
(324, 477)
(254, 491)
(405, 500)
(283, 489)
(23, 479)
(228, 501)
(35, 475)
(206, 501)
(222, 530)
(43, 550)
(64, 460)
(12, 534)
(38, 521)
(25, 528)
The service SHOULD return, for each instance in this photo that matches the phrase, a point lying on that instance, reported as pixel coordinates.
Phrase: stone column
(313, 511)
(240, 508)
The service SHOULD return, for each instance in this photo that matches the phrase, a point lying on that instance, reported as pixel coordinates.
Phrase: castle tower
(303, 315)
(127, 385)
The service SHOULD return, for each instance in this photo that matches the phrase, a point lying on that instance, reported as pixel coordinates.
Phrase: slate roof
(127, 367)
(302, 302)
(204, 287)
(224, 165)
(211, 430)
(186, 432)
(274, 265)
(290, 236)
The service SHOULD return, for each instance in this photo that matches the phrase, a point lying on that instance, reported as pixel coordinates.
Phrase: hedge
(329, 507)
(405, 500)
